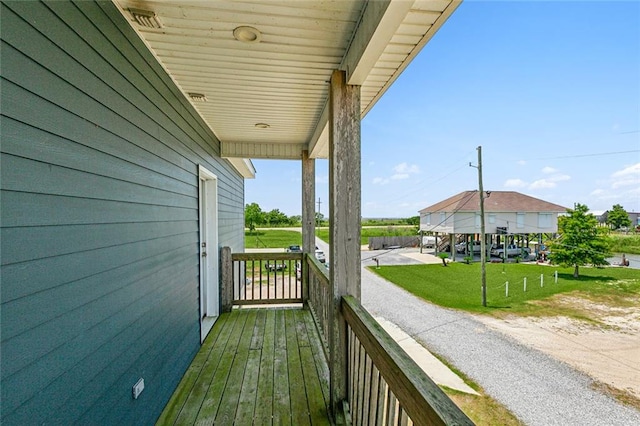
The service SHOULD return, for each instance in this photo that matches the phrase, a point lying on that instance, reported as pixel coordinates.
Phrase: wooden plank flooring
(256, 367)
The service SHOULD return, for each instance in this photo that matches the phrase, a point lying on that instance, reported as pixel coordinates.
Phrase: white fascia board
(244, 166)
(378, 24)
(430, 33)
(267, 150)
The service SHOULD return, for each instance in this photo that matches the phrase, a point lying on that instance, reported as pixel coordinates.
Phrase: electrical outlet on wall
(138, 388)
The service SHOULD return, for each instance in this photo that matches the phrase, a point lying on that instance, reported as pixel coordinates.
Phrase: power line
(586, 155)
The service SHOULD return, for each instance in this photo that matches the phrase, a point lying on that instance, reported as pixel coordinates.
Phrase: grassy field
(629, 244)
(373, 231)
(271, 238)
(459, 286)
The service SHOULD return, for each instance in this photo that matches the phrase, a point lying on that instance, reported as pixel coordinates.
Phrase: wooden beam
(378, 24)
(344, 217)
(308, 214)
(281, 151)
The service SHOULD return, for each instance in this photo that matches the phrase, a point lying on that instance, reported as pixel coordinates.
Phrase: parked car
(274, 266)
(474, 247)
(320, 256)
(512, 250)
(294, 249)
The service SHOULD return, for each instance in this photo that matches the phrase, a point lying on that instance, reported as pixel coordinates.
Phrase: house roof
(257, 71)
(497, 201)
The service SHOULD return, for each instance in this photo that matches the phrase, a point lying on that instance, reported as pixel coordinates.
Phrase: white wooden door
(209, 275)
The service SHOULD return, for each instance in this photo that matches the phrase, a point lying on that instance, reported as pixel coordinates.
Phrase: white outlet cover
(138, 388)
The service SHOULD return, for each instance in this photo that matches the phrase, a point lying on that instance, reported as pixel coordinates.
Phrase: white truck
(474, 247)
(512, 250)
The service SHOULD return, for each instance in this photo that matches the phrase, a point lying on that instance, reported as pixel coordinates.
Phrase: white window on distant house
(477, 220)
(492, 218)
(427, 218)
(520, 220)
(544, 220)
(443, 218)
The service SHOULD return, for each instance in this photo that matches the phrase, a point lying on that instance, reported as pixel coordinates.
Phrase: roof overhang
(258, 72)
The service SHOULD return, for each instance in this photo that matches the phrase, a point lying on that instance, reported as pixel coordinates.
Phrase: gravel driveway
(536, 388)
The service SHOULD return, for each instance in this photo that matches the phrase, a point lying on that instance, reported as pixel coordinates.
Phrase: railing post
(344, 215)
(226, 279)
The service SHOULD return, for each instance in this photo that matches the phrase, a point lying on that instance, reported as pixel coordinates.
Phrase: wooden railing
(385, 386)
(266, 278)
(319, 298)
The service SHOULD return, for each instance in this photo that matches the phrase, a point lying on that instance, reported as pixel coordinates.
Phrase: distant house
(634, 217)
(506, 212)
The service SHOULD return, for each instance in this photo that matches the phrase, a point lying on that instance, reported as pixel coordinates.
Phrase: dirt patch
(598, 339)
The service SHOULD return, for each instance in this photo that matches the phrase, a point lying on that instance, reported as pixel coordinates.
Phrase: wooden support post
(308, 216)
(345, 218)
(226, 279)
(452, 248)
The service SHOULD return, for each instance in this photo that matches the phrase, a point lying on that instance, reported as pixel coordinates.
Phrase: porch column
(308, 215)
(345, 217)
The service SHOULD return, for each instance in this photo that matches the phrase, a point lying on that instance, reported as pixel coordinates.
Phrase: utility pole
(317, 216)
(483, 246)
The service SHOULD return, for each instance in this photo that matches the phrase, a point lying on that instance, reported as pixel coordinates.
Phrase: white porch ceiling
(282, 80)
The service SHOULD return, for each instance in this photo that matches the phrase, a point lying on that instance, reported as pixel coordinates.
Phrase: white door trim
(209, 288)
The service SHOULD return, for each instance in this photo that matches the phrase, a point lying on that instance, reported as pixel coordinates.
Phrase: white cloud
(522, 163)
(515, 183)
(628, 176)
(543, 183)
(322, 179)
(597, 192)
(372, 163)
(380, 181)
(404, 168)
(402, 171)
(551, 181)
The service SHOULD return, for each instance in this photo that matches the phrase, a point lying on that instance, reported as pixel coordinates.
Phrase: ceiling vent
(197, 97)
(146, 18)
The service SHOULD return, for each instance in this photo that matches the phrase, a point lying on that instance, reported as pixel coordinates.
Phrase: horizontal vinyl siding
(99, 236)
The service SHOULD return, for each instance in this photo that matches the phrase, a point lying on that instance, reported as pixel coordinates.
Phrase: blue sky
(550, 90)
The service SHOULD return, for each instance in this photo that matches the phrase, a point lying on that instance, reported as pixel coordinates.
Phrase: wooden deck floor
(257, 366)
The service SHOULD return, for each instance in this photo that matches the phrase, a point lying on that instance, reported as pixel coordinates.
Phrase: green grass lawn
(459, 285)
(629, 244)
(271, 238)
(373, 231)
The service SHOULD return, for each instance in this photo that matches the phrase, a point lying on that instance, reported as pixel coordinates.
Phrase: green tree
(618, 217)
(275, 217)
(295, 220)
(581, 240)
(253, 216)
(413, 220)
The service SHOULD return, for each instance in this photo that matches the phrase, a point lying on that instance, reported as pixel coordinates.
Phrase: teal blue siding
(99, 220)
